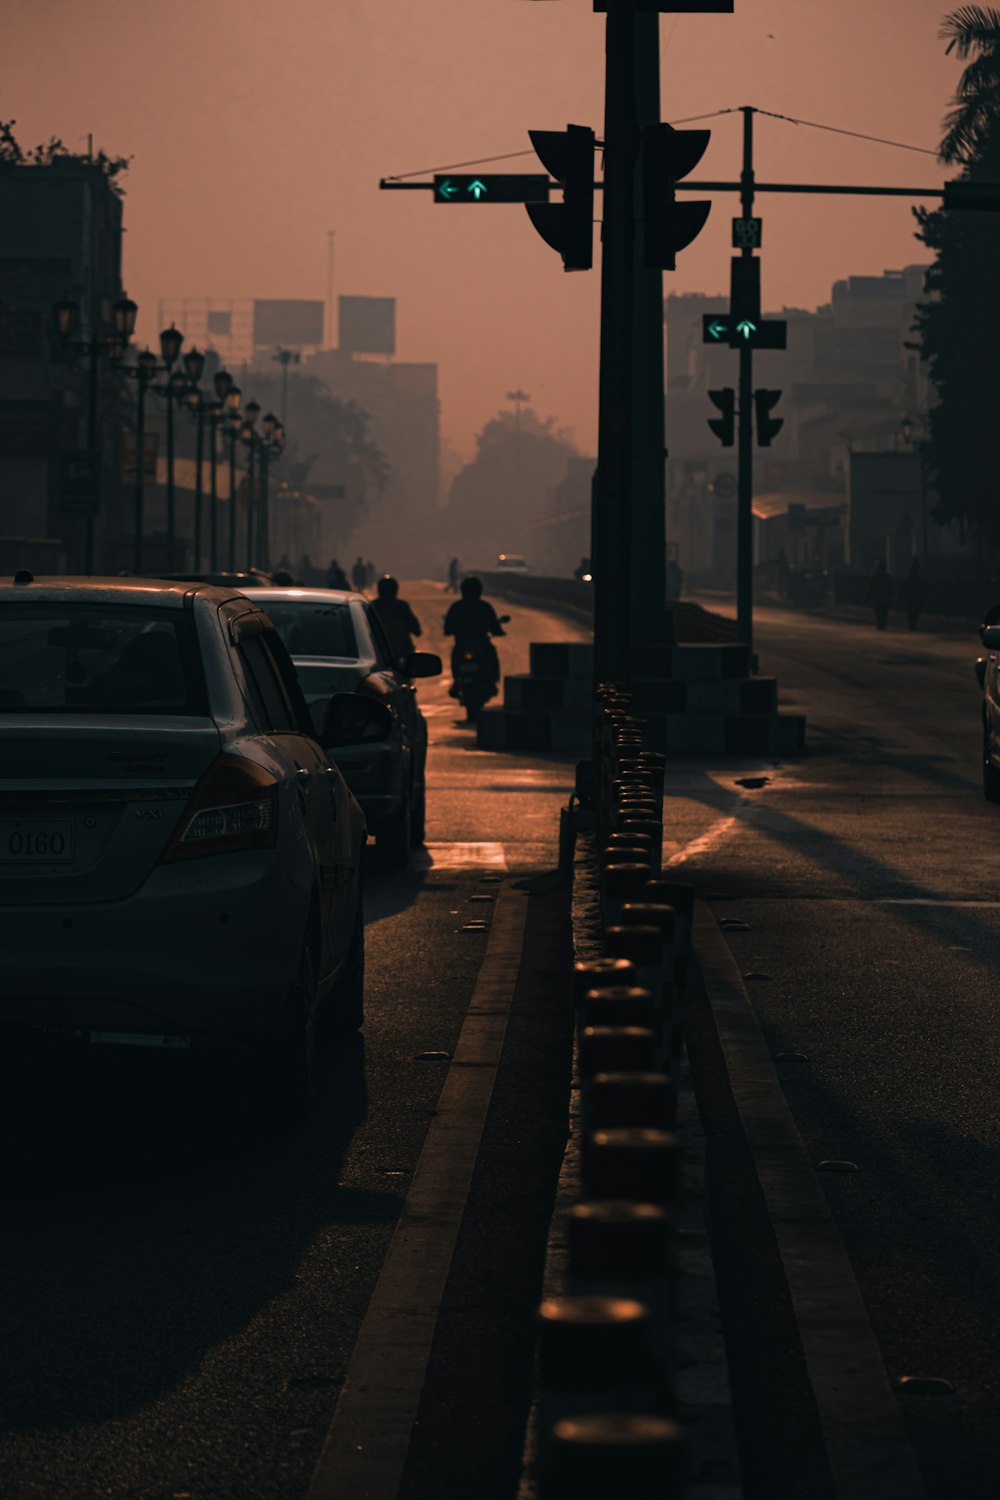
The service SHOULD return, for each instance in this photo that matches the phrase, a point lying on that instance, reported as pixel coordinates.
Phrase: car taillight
(234, 806)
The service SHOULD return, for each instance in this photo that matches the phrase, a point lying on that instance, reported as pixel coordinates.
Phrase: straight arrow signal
(477, 189)
(746, 328)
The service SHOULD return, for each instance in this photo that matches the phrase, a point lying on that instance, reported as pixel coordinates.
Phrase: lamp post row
(221, 413)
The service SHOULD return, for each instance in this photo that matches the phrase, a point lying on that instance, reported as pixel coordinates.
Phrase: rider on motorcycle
(471, 620)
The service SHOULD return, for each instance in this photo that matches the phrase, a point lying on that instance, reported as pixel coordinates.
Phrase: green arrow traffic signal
(477, 189)
(718, 330)
(746, 327)
(447, 188)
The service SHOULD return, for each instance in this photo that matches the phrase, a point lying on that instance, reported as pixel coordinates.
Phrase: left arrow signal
(447, 189)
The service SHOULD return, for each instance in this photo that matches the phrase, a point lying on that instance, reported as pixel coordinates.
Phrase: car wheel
(991, 777)
(349, 1002)
(392, 843)
(285, 1062)
(418, 820)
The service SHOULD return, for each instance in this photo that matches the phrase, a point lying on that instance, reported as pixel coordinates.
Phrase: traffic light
(669, 226)
(724, 427)
(567, 226)
(491, 187)
(768, 427)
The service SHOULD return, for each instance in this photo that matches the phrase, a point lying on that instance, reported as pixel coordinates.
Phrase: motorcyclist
(471, 620)
(395, 616)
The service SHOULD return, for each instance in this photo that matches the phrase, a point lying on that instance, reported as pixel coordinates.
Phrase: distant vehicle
(180, 859)
(511, 562)
(338, 646)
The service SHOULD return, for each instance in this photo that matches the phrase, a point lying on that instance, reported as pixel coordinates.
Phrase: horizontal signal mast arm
(809, 187)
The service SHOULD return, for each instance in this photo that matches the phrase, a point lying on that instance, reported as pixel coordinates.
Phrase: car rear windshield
(98, 658)
(311, 629)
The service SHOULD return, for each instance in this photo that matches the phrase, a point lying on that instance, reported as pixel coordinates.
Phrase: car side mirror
(422, 664)
(991, 637)
(353, 719)
(505, 619)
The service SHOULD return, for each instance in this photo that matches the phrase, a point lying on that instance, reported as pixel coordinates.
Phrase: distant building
(60, 235)
(402, 401)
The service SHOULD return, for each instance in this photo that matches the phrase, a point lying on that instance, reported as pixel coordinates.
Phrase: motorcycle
(475, 670)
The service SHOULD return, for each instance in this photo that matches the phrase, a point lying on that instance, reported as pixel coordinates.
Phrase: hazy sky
(258, 125)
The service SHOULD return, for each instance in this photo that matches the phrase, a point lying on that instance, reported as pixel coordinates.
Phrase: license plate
(36, 841)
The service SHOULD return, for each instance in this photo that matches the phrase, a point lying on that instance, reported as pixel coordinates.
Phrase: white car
(180, 861)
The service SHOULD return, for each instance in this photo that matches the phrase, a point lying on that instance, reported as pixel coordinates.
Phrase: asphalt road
(180, 1304)
(868, 875)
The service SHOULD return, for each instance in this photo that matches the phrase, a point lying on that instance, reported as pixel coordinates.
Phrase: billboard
(292, 323)
(368, 325)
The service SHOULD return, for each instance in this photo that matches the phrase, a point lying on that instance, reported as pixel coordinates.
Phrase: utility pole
(649, 617)
(611, 545)
(744, 511)
(330, 235)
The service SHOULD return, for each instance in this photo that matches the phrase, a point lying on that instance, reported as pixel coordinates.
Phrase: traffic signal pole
(612, 518)
(649, 619)
(744, 503)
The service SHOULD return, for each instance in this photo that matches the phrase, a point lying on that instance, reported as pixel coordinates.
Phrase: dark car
(338, 646)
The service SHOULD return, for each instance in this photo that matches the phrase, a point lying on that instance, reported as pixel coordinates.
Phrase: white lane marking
(460, 857)
(369, 1438)
(703, 844)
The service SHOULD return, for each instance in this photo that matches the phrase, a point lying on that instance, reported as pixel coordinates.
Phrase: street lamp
(233, 420)
(195, 404)
(212, 411)
(66, 317)
(144, 373)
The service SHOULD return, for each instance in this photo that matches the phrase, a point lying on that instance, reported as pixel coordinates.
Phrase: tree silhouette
(958, 327)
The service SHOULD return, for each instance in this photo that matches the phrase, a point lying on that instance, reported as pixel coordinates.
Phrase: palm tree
(972, 31)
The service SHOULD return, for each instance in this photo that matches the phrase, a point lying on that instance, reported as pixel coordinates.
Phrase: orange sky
(257, 125)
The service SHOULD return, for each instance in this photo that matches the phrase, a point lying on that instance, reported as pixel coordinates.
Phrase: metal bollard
(594, 1354)
(617, 1049)
(647, 1100)
(620, 1249)
(656, 914)
(653, 830)
(630, 1162)
(644, 946)
(621, 883)
(680, 896)
(621, 1005)
(637, 1457)
(599, 973)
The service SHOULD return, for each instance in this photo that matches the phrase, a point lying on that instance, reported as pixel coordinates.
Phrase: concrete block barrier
(526, 691)
(562, 659)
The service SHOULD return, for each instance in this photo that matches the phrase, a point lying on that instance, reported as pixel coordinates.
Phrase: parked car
(180, 860)
(511, 562)
(338, 646)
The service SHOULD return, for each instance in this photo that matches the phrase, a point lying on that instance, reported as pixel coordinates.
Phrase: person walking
(913, 594)
(454, 573)
(396, 618)
(359, 574)
(336, 578)
(880, 593)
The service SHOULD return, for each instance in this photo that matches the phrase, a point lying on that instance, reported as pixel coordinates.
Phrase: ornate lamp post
(170, 347)
(194, 367)
(250, 414)
(233, 422)
(66, 316)
(145, 373)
